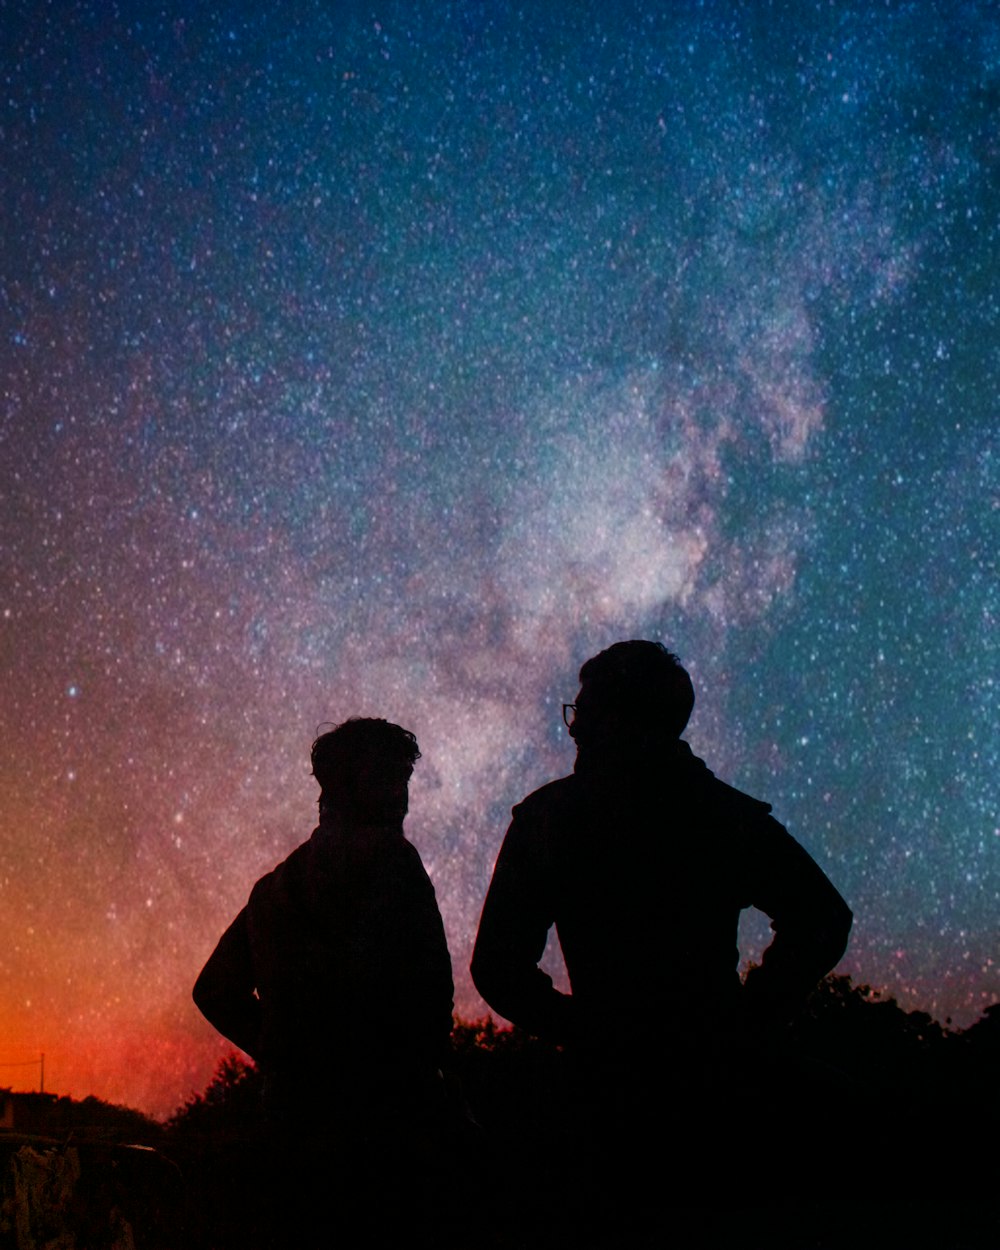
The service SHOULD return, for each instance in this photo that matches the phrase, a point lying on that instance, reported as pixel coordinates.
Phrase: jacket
(340, 958)
(644, 868)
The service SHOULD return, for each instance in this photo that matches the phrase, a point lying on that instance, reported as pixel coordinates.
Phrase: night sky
(392, 359)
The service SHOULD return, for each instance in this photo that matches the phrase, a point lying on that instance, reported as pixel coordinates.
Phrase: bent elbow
(500, 988)
(844, 924)
(483, 974)
(206, 995)
(202, 997)
(832, 935)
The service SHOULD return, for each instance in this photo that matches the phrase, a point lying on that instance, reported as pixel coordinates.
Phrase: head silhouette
(633, 690)
(363, 768)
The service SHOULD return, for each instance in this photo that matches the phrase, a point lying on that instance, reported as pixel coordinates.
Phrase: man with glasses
(643, 861)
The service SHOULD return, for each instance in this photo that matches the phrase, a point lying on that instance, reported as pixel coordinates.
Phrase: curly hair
(335, 754)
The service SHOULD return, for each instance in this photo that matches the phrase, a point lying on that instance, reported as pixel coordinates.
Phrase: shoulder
(695, 777)
(294, 867)
(396, 866)
(740, 827)
(735, 803)
(403, 884)
(291, 863)
(403, 853)
(541, 822)
(551, 799)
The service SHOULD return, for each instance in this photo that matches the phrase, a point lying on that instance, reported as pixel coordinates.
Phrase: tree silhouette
(870, 1112)
(229, 1105)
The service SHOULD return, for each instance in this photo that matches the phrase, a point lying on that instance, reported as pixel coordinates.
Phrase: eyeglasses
(569, 714)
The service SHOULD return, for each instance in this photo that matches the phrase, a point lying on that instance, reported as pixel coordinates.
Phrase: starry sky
(392, 359)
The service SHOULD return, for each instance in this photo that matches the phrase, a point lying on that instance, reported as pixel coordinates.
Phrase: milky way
(393, 359)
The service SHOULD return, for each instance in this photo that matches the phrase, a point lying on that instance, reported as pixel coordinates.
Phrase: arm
(429, 975)
(224, 992)
(810, 921)
(515, 923)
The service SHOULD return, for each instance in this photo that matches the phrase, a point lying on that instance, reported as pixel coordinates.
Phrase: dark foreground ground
(863, 1126)
(497, 1194)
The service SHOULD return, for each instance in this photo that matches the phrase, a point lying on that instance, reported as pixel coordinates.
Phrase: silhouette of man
(336, 976)
(643, 860)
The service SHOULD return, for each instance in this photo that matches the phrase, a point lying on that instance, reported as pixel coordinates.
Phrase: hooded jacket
(643, 865)
(339, 956)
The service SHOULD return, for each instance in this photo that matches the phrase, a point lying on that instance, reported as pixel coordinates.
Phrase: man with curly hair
(335, 977)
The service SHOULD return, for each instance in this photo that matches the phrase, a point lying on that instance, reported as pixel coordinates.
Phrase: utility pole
(41, 1081)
